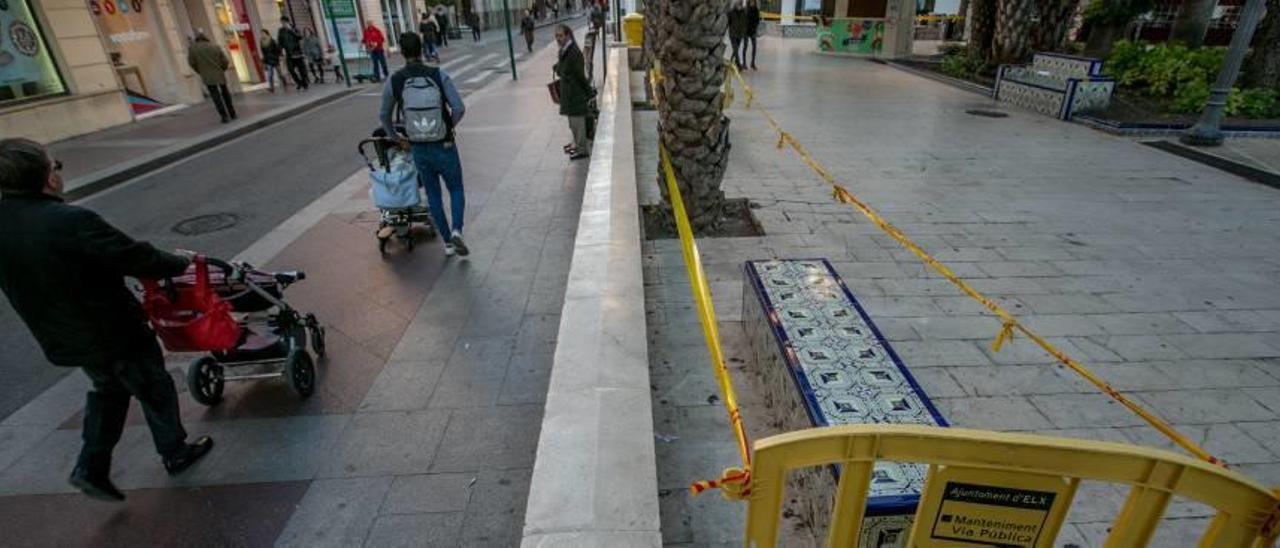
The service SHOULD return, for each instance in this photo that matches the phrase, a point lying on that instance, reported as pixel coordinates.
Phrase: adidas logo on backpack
(422, 104)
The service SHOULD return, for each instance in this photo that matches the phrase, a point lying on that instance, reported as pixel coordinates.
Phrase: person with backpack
(211, 64)
(429, 28)
(527, 26)
(431, 108)
(575, 91)
(271, 62)
(291, 44)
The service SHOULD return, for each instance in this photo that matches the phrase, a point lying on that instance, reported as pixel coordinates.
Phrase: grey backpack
(422, 103)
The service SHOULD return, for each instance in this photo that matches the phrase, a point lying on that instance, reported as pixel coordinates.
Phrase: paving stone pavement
(425, 423)
(1157, 272)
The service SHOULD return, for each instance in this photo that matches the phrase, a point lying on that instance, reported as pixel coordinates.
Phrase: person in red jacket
(373, 43)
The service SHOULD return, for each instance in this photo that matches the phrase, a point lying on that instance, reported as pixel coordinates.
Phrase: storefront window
(233, 18)
(397, 18)
(27, 70)
(137, 53)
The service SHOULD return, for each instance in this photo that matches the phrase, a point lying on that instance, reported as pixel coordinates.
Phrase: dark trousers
(221, 98)
(443, 39)
(751, 41)
(379, 59)
(141, 376)
(298, 70)
(317, 70)
(528, 40)
(737, 45)
(475, 33)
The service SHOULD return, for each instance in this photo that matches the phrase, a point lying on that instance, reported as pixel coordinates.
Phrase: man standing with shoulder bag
(430, 107)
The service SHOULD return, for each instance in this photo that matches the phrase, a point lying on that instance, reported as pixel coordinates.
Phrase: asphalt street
(251, 184)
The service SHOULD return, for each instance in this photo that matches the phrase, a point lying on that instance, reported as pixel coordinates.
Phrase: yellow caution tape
(1009, 323)
(734, 483)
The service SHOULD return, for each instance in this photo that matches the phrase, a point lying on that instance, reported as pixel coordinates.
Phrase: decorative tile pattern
(803, 320)
(1091, 96)
(1045, 101)
(1068, 67)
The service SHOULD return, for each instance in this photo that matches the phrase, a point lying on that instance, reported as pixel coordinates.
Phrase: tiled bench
(823, 362)
(1055, 85)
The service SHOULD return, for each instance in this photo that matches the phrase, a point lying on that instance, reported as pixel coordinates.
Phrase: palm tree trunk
(1055, 21)
(1012, 43)
(982, 29)
(1101, 38)
(690, 48)
(1262, 69)
(1192, 22)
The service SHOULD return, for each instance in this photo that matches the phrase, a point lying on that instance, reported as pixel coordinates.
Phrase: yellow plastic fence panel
(993, 488)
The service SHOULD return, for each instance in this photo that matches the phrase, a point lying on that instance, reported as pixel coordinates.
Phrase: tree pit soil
(738, 222)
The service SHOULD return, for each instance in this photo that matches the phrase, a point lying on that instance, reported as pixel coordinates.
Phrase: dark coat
(527, 25)
(290, 42)
(271, 53)
(429, 31)
(737, 23)
(209, 62)
(753, 21)
(575, 90)
(63, 267)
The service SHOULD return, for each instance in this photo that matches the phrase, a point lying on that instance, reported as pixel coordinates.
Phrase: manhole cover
(205, 224)
(987, 113)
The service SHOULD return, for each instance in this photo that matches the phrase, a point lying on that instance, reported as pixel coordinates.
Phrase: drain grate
(987, 113)
(205, 224)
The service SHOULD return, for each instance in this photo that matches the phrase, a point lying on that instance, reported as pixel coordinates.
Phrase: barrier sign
(967, 507)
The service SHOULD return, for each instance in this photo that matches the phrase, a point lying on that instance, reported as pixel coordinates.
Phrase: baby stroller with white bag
(393, 188)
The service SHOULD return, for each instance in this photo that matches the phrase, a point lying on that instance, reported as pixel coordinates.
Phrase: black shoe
(188, 455)
(577, 155)
(225, 119)
(233, 116)
(95, 487)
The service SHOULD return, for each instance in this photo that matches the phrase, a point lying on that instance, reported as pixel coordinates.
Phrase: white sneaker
(458, 245)
(448, 250)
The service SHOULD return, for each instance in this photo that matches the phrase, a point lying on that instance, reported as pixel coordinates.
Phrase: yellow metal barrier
(990, 488)
(1010, 324)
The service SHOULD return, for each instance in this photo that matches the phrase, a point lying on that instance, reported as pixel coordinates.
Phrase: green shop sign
(339, 9)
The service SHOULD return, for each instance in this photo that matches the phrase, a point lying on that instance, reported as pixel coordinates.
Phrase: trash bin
(633, 29)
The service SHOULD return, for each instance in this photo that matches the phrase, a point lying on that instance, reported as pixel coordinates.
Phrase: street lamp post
(511, 49)
(1208, 131)
(337, 40)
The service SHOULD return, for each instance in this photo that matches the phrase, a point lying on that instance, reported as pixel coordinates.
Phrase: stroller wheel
(301, 372)
(317, 335)
(204, 380)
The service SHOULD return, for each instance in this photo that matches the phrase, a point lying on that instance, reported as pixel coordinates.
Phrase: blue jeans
(379, 59)
(435, 161)
(272, 70)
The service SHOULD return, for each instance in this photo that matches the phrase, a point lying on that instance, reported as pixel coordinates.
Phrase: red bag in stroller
(190, 318)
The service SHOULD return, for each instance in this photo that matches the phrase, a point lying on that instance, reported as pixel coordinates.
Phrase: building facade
(70, 67)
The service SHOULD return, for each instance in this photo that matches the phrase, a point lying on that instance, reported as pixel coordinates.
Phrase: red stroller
(192, 313)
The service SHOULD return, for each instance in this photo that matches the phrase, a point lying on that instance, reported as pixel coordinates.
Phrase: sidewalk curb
(103, 179)
(1212, 160)
(953, 82)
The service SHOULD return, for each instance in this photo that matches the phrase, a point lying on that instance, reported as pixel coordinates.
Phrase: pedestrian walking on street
(431, 108)
(291, 44)
(597, 16)
(753, 31)
(527, 27)
(62, 268)
(473, 21)
(271, 61)
(442, 19)
(737, 29)
(374, 43)
(315, 54)
(429, 28)
(211, 64)
(575, 91)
